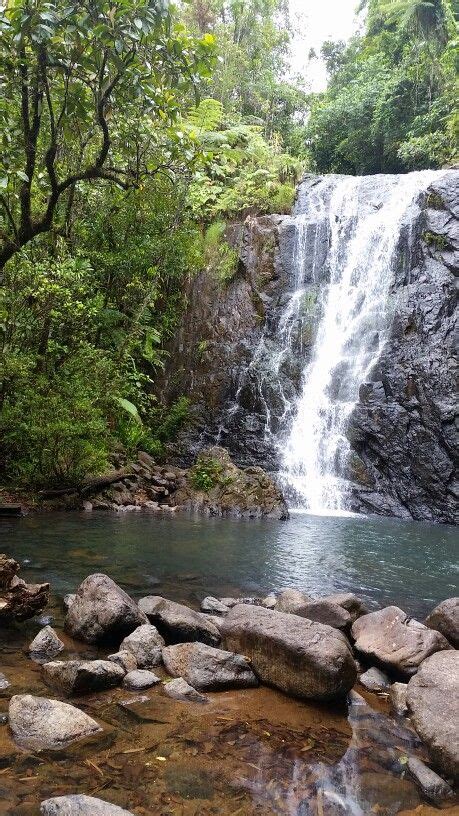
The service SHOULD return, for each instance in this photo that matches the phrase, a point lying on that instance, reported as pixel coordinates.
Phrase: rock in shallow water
(126, 660)
(102, 611)
(179, 689)
(145, 644)
(38, 723)
(296, 655)
(374, 680)
(208, 669)
(45, 645)
(432, 785)
(396, 641)
(177, 623)
(291, 601)
(397, 696)
(433, 704)
(80, 805)
(82, 676)
(328, 612)
(445, 619)
(140, 679)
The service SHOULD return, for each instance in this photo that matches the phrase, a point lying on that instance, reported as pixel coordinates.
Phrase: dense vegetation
(131, 133)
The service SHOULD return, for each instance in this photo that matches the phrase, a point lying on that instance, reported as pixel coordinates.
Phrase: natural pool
(247, 752)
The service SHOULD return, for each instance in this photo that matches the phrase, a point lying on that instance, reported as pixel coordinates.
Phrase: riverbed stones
(38, 723)
(179, 689)
(328, 612)
(124, 659)
(291, 601)
(433, 704)
(45, 645)
(145, 644)
(445, 619)
(140, 679)
(374, 680)
(82, 676)
(395, 641)
(102, 611)
(177, 623)
(208, 669)
(397, 697)
(80, 805)
(308, 660)
(432, 785)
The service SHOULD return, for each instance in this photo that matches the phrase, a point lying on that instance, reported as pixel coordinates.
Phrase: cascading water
(365, 218)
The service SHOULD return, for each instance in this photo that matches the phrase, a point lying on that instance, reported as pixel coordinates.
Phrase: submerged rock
(179, 689)
(80, 805)
(433, 704)
(432, 785)
(82, 676)
(145, 644)
(303, 658)
(208, 669)
(45, 645)
(445, 619)
(396, 641)
(102, 611)
(140, 679)
(38, 723)
(177, 623)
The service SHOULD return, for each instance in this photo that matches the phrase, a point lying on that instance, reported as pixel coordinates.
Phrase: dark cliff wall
(402, 432)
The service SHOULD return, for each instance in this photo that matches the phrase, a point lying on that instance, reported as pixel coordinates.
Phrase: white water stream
(364, 218)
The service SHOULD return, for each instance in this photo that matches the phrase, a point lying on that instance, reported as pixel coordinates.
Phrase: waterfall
(363, 220)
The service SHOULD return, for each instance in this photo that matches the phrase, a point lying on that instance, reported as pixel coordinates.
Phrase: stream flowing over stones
(329, 358)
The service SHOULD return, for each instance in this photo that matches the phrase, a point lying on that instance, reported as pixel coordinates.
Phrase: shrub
(206, 474)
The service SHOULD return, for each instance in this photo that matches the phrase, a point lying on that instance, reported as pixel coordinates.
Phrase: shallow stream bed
(246, 752)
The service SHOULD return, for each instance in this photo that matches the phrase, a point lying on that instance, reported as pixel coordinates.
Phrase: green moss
(437, 241)
(206, 474)
(435, 201)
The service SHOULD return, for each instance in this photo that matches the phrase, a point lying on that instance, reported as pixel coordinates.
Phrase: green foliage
(220, 259)
(205, 474)
(390, 105)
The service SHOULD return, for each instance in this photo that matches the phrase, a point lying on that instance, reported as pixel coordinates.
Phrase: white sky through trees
(316, 21)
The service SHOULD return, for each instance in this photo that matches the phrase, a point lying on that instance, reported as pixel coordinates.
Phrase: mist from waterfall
(363, 218)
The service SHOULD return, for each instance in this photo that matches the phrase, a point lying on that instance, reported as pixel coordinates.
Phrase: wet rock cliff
(226, 358)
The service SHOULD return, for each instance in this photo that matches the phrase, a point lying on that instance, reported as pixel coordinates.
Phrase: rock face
(396, 641)
(300, 657)
(45, 645)
(102, 611)
(37, 723)
(18, 600)
(178, 623)
(82, 676)
(217, 487)
(145, 644)
(433, 703)
(445, 619)
(208, 669)
(80, 805)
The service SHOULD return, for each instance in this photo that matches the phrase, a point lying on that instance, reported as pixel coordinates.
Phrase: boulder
(396, 641)
(145, 644)
(214, 606)
(68, 600)
(126, 660)
(80, 805)
(445, 619)
(82, 676)
(140, 679)
(177, 623)
(307, 659)
(45, 645)
(208, 669)
(38, 723)
(4, 682)
(102, 611)
(323, 611)
(433, 704)
(18, 600)
(291, 601)
(179, 689)
(397, 696)
(350, 602)
(432, 785)
(374, 680)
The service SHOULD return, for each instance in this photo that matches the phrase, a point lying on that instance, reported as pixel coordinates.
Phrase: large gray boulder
(350, 602)
(433, 703)
(102, 611)
(304, 658)
(177, 623)
(328, 612)
(445, 619)
(208, 669)
(395, 641)
(80, 805)
(82, 676)
(45, 645)
(38, 723)
(145, 644)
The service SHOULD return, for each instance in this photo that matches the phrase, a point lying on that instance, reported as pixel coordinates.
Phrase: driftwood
(94, 485)
(18, 600)
(10, 510)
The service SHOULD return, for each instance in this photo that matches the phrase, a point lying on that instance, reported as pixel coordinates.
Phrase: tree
(90, 92)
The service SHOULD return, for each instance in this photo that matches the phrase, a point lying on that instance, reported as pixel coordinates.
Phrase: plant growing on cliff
(206, 474)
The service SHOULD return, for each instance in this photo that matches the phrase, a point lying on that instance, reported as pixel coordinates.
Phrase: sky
(316, 21)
